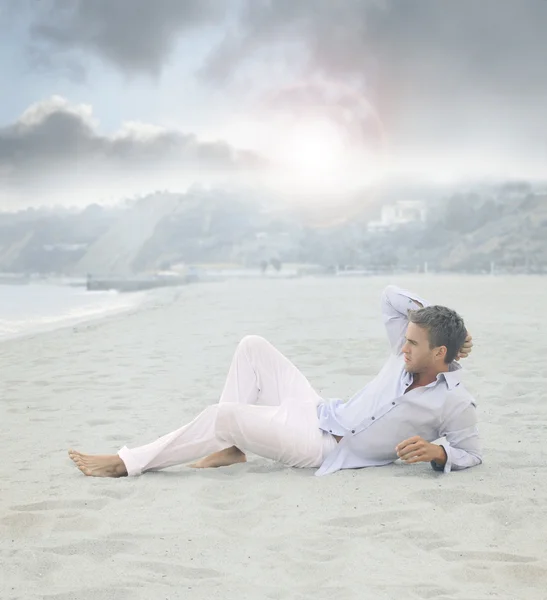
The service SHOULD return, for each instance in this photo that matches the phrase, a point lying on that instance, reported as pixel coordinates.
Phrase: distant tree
(276, 264)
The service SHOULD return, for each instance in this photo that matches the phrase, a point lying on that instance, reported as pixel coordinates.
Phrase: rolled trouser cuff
(129, 461)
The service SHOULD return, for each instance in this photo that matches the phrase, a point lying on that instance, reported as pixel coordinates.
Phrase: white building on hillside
(401, 213)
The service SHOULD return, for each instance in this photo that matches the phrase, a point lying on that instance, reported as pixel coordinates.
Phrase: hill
(465, 230)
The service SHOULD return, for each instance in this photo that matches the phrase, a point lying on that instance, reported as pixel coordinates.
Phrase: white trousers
(267, 407)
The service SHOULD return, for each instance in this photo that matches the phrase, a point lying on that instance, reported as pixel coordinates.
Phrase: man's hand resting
(416, 449)
(466, 349)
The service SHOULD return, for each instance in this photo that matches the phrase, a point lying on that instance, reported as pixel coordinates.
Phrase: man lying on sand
(269, 408)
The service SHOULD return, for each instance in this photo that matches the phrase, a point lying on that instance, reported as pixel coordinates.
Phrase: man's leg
(284, 407)
(183, 445)
(287, 433)
(259, 374)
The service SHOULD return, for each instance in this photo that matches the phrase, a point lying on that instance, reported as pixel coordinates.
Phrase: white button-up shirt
(381, 415)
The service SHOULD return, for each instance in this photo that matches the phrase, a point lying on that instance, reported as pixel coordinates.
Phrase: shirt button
(330, 430)
(393, 403)
(353, 431)
(373, 418)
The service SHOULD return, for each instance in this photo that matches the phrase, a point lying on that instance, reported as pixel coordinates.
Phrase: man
(269, 408)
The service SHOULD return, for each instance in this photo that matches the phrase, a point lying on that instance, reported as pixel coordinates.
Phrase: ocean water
(37, 307)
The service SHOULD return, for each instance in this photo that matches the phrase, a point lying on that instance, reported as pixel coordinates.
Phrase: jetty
(138, 283)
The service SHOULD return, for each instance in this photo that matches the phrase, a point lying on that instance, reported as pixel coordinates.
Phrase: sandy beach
(260, 530)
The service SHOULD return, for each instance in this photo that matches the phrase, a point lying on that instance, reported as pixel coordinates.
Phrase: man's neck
(427, 377)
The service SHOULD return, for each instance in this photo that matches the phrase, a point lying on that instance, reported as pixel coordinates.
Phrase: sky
(102, 100)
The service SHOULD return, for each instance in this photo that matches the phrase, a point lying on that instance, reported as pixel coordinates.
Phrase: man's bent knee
(253, 341)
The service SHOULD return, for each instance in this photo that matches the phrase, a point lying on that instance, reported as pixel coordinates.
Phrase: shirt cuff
(448, 464)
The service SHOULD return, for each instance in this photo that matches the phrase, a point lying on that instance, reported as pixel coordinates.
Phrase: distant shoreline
(146, 281)
(165, 296)
(75, 316)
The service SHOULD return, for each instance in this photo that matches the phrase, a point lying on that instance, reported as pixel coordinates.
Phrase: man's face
(419, 357)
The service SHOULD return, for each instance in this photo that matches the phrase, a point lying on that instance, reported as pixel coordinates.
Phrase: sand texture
(260, 530)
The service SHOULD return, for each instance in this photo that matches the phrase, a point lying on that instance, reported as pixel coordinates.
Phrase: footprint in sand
(431, 591)
(379, 519)
(22, 524)
(448, 498)
(42, 383)
(99, 549)
(455, 555)
(176, 570)
(427, 540)
(87, 503)
(120, 407)
(114, 494)
(107, 593)
(304, 553)
(526, 573)
(75, 521)
(99, 422)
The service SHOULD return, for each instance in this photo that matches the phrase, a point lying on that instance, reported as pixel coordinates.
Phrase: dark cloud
(135, 35)
(502, 40)
(399, 48)
(55, 144)
(400, 51)
(53, 132)
(390, 45)
(325, 32)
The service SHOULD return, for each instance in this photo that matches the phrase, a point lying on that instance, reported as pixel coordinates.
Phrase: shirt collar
(453, 376)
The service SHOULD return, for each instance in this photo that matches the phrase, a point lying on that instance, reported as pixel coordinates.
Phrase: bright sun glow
(313, 147)
(308, 155)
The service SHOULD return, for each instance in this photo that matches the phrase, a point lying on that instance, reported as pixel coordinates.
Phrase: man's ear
(440, 352)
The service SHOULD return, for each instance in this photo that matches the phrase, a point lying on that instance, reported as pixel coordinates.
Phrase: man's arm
(396, 302)
(462, 446)
(460, 451)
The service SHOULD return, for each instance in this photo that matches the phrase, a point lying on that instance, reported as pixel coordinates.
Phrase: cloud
(56, 147)
(407, 56)
(461, 79)
(500, 39)
(137, 36)
(496, 45)
(329, 34)
(394, 47)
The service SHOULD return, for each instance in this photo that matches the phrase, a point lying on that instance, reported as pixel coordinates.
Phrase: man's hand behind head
(467, 348)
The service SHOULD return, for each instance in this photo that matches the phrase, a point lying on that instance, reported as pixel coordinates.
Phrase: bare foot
(108, 465)
(224, 458)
